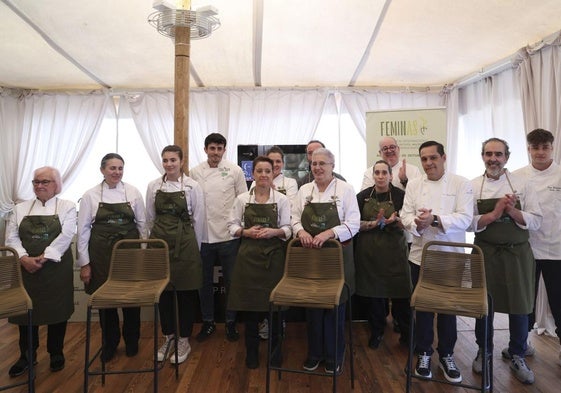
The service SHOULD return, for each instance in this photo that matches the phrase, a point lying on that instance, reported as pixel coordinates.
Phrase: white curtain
(11, 119)
(242, 116)
(152, 114)
(47, 129)
(489, 108)
(540, 81)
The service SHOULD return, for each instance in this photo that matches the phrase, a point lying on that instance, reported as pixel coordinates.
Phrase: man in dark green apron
(506, 208)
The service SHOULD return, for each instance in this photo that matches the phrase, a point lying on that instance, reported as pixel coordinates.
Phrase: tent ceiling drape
(67, 44)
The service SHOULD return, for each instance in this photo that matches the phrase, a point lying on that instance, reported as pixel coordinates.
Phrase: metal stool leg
(31, 373)
(351, 347)
(87, 355)
(409, 366)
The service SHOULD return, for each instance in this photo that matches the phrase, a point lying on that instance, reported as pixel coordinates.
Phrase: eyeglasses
(42, 182)
(389, 148)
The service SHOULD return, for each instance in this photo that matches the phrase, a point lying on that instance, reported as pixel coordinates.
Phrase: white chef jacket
(347, 206)
(486, 188)
(193, 197)
(89, 204)
(450, 198)
(545, 241)
(283, 182)
(235, 221)
(66, 211)
(220, 186)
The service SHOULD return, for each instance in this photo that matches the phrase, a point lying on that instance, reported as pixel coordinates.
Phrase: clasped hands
(33, 264)
(259, 232)
(316, 241)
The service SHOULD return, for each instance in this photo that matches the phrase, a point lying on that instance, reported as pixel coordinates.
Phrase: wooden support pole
(181, 89)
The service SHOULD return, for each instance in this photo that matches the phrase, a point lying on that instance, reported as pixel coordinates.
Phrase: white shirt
(283, 182)
(545, 241)
(486, 188)
(450, 198)
(411, 170)
(220, 186)
(347, 206)
(88, 209)
(283, 205)
(66, 211)
(193, 197)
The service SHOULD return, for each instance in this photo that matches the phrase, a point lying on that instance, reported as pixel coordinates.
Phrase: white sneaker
(530, 351)
(166, 349)
(521, 370)
(183, 350)
(264, 329)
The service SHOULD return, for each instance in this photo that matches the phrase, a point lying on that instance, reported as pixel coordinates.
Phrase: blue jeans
(225, 253)
(517, 326)
(424, 332)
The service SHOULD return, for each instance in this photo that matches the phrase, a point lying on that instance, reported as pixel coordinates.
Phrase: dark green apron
(173, 224)
(259, 264)
(113, 222)
(381, 256)
(51, 288)
(318, 217)
(509, 262)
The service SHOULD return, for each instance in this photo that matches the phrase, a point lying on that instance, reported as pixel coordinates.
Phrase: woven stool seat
(139, 272)
(451, 281)
(15, 301)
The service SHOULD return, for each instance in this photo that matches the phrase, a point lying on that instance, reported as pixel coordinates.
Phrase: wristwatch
(435, 221)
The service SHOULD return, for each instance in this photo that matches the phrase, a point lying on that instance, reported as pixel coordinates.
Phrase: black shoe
(450, 369)
(252, 359)
(207, 329)
(232, 333)
(330, 367)
(375, 341)
(423, 367)
(276, 358)
(19, 367)
(131, 349)
(107, 353)
(311, 364)
(57, 362)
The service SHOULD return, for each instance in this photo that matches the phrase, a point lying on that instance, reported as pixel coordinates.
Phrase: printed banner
(410, 127)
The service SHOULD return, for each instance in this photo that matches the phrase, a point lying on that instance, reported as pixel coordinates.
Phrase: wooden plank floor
(218, 365)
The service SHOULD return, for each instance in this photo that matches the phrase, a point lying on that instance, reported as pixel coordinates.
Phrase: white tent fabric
(54, 130)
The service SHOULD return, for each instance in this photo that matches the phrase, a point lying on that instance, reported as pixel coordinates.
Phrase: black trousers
(377, 314)
(110, 330)
(187, 302)
(55, 338)
(251, 320)
(551, 272)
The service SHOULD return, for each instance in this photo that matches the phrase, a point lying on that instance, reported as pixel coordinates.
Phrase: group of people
(210, 218)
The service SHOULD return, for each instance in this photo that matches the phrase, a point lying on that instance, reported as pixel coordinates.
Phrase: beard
(494, 170)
